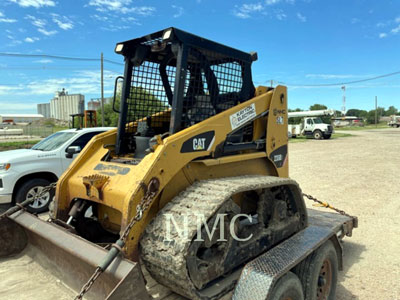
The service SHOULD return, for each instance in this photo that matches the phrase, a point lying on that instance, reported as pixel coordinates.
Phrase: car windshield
(317, 121)
(53, 141)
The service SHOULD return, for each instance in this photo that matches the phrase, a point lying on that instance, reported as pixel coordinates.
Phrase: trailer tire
(317, 134)
(288, 287)
(318, 273)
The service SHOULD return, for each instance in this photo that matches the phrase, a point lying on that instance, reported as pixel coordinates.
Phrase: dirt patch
(360, 175)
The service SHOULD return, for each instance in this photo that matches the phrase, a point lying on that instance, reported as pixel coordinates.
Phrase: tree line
(367, 116)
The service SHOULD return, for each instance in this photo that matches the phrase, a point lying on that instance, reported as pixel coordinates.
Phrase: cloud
(355, 21)
(43, 61)
(6, 20)
(62, 22)
(46, 32)
(33, 3)
(40, 24)
(245, 10)
(114, 28)
(382, 35)
(179, 11)
(273, 2)
(280, 15)
(31, 39)
(121, 6)
(301, 17)
(36, 21)
(395, 30)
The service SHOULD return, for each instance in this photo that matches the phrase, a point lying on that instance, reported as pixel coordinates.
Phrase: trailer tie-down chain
(22, 205)
(116, 248)
(327, 205)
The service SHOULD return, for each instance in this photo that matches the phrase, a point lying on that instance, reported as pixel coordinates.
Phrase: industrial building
(63, 105)
(44, 109)
(19, 118)
(94, 104)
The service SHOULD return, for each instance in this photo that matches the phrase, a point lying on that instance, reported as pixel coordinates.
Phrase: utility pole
(102, 92)
(344, 101)
(376, 111)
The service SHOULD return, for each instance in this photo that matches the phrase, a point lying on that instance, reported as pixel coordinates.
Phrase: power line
(59, 57)
(340, 83)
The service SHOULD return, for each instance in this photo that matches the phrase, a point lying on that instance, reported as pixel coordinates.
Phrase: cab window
(84, 139)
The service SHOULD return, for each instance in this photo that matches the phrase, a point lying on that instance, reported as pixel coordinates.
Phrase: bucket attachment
(67, 259)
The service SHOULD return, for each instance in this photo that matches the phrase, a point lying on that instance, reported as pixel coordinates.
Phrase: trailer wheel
(318, 273)
(288, 287)
(317, 134)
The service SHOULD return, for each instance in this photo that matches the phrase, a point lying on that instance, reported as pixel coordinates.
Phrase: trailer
(265, 274)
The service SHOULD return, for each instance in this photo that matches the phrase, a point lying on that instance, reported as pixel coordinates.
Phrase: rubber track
(166, 260)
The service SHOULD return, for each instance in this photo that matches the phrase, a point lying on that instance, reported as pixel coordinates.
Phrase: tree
(371, 117)
(318, 107)
(142, 104)
(357, 113)
(325, 119)
(391, 111)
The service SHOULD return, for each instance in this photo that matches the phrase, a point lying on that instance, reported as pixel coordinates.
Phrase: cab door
(308, 126)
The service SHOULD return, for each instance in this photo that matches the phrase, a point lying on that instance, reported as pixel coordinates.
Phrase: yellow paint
(175, 171)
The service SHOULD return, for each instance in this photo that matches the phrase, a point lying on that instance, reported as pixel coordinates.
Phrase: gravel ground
(356, 174)
(360, 175)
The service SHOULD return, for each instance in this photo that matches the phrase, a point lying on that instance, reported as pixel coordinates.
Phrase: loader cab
(173, 80)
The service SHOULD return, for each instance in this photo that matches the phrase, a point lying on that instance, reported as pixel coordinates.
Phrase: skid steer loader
(197, 147)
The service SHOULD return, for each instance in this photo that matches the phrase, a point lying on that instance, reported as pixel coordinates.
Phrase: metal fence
(28, 130)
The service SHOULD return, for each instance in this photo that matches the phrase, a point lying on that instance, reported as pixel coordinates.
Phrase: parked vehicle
(311, 124)
(394, 121)
(24, 172)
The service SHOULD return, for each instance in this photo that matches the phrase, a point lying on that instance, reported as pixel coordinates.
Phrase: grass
(16, 145)
(302, 139)
(381, 125)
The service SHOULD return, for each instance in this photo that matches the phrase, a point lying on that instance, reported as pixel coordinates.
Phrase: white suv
(24, 172)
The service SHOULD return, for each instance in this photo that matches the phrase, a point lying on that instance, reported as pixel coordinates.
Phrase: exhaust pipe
(68, 258)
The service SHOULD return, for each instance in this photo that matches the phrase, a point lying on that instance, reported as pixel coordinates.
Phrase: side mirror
(115, 93)
(71, 150)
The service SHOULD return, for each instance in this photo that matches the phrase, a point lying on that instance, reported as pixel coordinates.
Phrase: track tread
(166, 260)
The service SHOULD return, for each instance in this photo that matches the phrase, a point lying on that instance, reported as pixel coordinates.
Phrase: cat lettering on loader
(195, 140)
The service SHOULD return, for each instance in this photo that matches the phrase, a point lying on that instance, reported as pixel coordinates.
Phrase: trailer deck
(322, 226)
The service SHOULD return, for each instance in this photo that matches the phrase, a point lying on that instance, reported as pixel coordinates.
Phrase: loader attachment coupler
(173, 80)
(65, 258)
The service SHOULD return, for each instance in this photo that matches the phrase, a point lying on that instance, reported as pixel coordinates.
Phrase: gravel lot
(356, 174)
(360, 175)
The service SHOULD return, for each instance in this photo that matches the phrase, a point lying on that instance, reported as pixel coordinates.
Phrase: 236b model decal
(200, 142)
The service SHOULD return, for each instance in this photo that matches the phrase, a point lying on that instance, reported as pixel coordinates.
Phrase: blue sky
(299, 42)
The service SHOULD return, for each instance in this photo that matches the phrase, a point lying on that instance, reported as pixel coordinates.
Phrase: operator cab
(173, 80)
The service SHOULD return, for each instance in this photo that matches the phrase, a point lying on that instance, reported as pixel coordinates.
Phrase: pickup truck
(24, 172)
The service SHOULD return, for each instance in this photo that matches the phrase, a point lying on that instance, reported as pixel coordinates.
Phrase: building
(44, 109)
(94, 104)
(63, 105)
(19, 118)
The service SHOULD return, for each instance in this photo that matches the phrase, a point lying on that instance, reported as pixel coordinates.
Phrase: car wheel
(317, 134)
(29, 190)
(288, 287)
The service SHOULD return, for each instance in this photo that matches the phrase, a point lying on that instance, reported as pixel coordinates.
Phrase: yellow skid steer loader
(192, 187)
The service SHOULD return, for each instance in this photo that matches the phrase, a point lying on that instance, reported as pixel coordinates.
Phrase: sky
(300, 43)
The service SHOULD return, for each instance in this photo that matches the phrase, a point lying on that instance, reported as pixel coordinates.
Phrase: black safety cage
(173, 80)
